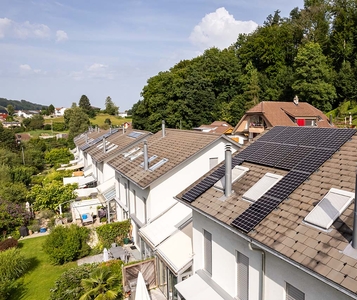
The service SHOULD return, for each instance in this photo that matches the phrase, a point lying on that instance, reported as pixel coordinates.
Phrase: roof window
(126, 154)
(329, 208)
(237, 173)
(134, 134)
(261, 187)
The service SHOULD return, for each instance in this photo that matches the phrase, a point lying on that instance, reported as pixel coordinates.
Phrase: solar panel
(260, 154)
(275, 156)
(272, 133)
(294, 157)
(314, 160)
(250, 150)
(338, 138)
(285, 134)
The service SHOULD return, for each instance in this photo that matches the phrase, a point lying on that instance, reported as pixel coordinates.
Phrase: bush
(59, 126)
(65, 244)
(68, 285)
(113, 233)
(12, 266)
(8, 243)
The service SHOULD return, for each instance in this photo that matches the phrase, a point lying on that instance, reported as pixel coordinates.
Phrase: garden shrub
(12, 266)
(113, 233)
(8, 243)
(68, 285)
(65, 244)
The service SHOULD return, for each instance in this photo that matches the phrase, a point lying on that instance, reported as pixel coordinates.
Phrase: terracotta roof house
(220, 127)
(148, 176)
(276, 219)
(268, 114)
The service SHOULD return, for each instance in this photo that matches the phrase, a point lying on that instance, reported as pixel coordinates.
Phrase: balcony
(256, 127)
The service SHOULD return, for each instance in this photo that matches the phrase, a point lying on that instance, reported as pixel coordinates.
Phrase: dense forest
(20, 105)
(311, 54)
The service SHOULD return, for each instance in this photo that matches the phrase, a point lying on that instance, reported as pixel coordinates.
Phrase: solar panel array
(300, 150)
(95, 141)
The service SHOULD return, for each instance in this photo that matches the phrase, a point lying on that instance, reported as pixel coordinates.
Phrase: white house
(148, 176)
(59, 111)
(26, 113)
(280, 226)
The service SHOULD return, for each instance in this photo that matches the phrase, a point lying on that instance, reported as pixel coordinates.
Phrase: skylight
(136, 155)
(134, 134)
(158, 164)
(261, 187)
(237, 173)
(329, 208)
(131, 151)
(149, 160)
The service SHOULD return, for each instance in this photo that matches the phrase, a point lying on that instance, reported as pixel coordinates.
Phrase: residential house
(149, 175)
(123, 114)
(59, 111)
(26, 113)
(281, 225)
(216, 127)
(121, 141)
(11, 124)
(268, 114)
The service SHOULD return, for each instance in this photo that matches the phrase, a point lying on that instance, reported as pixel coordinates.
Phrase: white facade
(60, 111)
(278, 273)
(145, 205)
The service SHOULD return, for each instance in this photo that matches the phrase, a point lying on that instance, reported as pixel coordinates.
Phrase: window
(207, 248)
(242, 276)
(261, 187)
(292, 293)
(329, 208)
(237, 173)
(213, 162)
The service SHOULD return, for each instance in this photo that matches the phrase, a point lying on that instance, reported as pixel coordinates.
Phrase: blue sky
(52, 52)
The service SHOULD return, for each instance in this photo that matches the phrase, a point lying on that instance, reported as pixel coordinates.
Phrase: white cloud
(5, 23)
(23, 30)
(94, 71)
(219, 29)
(61, 36)
(25, 68)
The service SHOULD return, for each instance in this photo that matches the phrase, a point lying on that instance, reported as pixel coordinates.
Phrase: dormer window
(329, 208)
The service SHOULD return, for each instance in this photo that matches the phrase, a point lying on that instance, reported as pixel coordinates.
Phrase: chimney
(123, 128)
(163, 128)
(354, 230)
(104, 145)
(86, 138)
(146, 160)
(228, 178)
(296, 100)
(110, 129)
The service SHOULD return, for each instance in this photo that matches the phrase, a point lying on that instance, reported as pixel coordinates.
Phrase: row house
(277, 220)
(148, 176)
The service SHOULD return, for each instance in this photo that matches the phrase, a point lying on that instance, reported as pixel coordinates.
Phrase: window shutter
(243, 276)
(208, 251)
(292, 293)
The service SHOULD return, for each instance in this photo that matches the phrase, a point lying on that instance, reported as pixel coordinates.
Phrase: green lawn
(98, 120)
(36, 283)
(37, 133)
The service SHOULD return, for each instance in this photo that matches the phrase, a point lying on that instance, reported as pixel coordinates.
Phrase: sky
(52, 52)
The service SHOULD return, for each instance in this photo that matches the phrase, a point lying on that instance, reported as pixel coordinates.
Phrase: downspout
(262, 277)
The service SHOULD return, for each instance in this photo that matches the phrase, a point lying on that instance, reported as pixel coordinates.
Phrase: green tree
(51, 195)
(102, 284)
(16, 192)
(110, 107)
(7, 138)
(346, 83)
(58, 156)
(313, 77)
(251, 86)
(78, 122)
(10, 110)
(85, 105)
(51, 109)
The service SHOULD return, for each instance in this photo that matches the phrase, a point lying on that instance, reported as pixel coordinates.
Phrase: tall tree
(110, 107)
(78, 122)
(314, 77)
(51, 109)
(85, 105)
(10, 110)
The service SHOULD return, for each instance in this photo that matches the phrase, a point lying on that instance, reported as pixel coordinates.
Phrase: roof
(81, 139)
(120, 139)
(177, 146)
(277, 113)
(283, 230)
(220, 127)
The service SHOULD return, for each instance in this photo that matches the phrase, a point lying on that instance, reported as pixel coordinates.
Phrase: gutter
(273, 252)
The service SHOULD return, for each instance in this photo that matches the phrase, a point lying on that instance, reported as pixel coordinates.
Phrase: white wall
(224, 267)
(108, 172)
(173, 182)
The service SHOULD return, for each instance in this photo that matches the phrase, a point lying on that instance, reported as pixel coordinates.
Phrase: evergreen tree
(110, 107)
(78, 121)
(85, 105)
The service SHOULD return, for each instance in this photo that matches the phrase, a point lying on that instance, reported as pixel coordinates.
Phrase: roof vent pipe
(354, 232)
(296, 100)
(110, 129)
(163, 128)
(228, 177)
(146, 160)
(104, 145)
(86, 138)
(123, 129)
